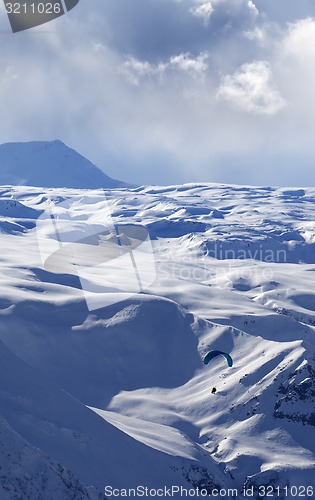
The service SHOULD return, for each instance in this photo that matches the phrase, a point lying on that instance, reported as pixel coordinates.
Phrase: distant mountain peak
(50, 164)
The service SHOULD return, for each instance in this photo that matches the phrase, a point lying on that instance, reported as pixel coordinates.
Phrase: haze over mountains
(50, 164)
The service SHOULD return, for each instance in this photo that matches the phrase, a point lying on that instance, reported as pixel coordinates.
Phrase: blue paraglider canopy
(213, 354)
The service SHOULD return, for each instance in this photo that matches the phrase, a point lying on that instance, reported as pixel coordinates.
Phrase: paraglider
(213, 354)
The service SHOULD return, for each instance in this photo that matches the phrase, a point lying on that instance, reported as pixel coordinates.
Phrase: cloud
(294, 64)
(136, 71)
(282, 12)
(299, 43)
(251, 89)
(204, 11)
(259, 34)
(153, 30)
(153, 94)
(186, 63)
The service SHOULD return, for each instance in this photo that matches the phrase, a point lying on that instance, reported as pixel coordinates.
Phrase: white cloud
(204, 11)
(135, 70)
(251, 89)
(233, 8)
(189, 64)
(295, 67)
(252, 7)
(300, 41)
(134, 87)
(8, 75)
(257, 34)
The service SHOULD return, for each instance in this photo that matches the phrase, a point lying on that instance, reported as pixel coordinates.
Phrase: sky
(170, 91)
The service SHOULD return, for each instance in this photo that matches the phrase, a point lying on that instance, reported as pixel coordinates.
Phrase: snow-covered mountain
(50, 164)
(119, 397)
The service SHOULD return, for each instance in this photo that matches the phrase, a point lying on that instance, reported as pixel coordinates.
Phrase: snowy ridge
(27, 473)
(50, 164)
(235, 271)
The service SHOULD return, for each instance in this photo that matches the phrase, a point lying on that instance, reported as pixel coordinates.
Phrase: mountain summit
(50, 164)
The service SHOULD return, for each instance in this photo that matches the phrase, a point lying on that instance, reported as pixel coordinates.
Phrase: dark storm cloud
(158, 29)
(159, 91)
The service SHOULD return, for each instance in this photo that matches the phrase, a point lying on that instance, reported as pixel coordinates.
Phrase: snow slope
(86, 392)
(44, 417)
(50, 164)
